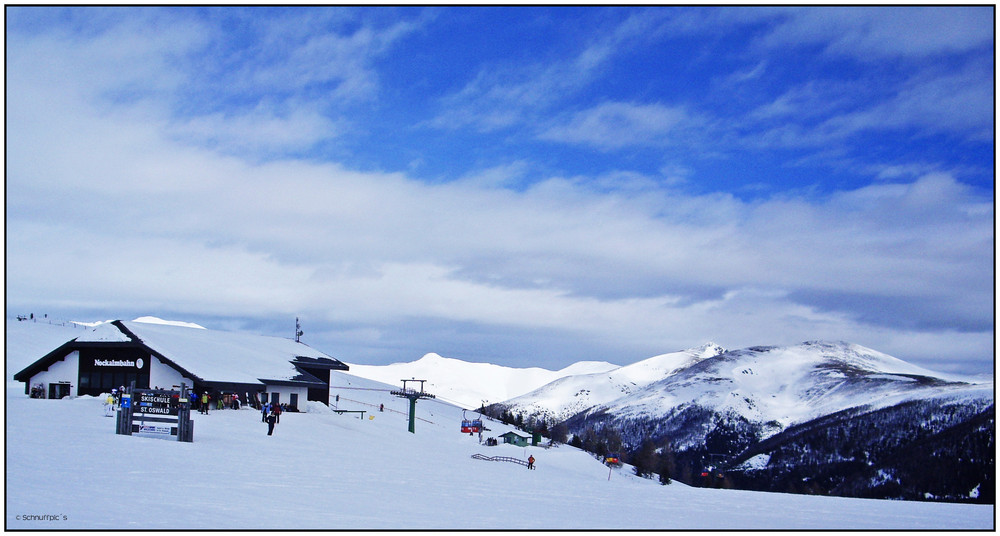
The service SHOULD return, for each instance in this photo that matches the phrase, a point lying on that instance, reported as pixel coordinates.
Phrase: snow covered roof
(218, 356)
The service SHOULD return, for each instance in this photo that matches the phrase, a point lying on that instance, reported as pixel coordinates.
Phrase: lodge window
(111, 380)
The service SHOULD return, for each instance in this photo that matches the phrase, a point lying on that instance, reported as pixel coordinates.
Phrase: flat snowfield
(66, 469)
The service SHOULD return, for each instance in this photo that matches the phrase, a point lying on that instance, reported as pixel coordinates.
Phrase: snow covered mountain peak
(815, 359)
(779, 385)
(709, 349)
(571, 394)
(657, 367)
(783, 385)
(469, 384)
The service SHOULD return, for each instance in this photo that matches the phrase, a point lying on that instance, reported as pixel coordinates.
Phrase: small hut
(515, 438)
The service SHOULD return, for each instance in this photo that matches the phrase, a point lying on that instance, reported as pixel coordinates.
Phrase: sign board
(156, 413)
(156, 402)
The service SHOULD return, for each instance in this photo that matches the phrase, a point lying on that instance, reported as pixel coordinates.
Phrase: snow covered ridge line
(808, 407)
(145, 320)
(587, 384)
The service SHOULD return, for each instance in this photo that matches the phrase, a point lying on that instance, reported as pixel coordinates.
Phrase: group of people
(269, 413)
(222, 401)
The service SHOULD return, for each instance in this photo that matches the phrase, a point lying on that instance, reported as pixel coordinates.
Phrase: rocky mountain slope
(758, 413)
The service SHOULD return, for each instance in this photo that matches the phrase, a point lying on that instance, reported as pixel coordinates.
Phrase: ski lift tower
(412, 395)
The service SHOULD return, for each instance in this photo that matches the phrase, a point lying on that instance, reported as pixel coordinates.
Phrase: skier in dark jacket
(271, 419)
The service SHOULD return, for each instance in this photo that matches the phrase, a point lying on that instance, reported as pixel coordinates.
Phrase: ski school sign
(156, 413)
(156, 402)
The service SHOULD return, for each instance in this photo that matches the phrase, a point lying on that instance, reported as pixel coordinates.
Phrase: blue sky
(530, 186)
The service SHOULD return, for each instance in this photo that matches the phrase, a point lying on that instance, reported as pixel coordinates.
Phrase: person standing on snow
(271, 419)
(264, 408)
(531, 462)
(204, 403)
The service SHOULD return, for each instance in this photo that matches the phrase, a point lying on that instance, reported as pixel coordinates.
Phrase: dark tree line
(917, 450)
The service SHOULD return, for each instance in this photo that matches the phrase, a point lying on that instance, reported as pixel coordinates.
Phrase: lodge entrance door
(58, 390)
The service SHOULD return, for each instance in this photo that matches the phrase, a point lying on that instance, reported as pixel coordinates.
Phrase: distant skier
(264, 408)
(204, 403)
(276, 410)
(271, 420)
(109, 405)
(531, 462)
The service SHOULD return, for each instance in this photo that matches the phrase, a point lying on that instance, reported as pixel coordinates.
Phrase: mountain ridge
(472, 385)
(846, 419)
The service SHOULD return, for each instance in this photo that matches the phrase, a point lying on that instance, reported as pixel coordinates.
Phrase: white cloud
(259, 132)
(118, 203)
(612, 125)
(630, 265)
(515, 94)
(289, 58)
(867, 33)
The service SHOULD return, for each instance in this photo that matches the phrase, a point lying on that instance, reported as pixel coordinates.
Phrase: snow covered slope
(572, 394)
(469, 384)
(321, 470)
(779, 385)
(26, 341)
(66, 469)
(787, 385)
